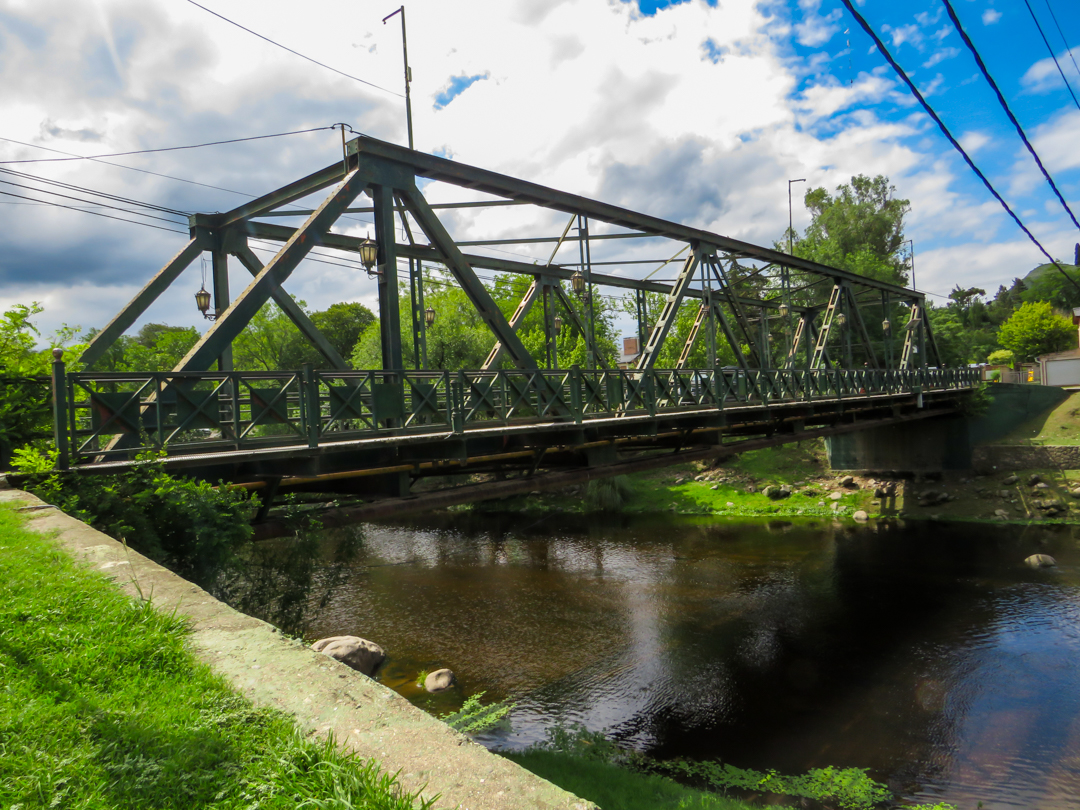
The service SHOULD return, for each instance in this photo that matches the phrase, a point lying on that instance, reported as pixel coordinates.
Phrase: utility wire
(1061, 33)
(1004, 105)
(84, 190)
(945, 131)
(167, 148)
(295, 53)
(95, 213)
(80, 199)
(1053, 56)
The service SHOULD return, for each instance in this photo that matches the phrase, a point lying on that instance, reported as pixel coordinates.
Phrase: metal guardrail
(109, 416)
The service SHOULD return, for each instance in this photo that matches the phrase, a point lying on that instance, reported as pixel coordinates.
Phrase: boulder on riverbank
(362, 655)
(439, 681)
(1040, 561)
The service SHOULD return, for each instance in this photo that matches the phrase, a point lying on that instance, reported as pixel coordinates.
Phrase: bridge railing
(115, 415)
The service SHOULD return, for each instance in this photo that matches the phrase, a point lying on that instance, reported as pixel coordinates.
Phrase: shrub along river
(925, 652)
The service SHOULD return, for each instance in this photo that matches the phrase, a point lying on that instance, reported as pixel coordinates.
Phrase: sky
(695, 111)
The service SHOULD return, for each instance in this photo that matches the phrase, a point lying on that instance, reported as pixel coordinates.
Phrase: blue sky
(695, 111)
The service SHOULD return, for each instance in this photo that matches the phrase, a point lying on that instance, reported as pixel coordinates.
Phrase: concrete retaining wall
(323, 695)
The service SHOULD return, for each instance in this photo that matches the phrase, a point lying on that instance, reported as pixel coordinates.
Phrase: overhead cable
(166, 148)
(86, 211)
(1053, 56)
(296, 53)
(1061, 33)
(1005, 106)
(945, 131)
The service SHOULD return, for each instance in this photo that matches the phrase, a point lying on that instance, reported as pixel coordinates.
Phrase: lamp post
(790, 226)
(408, 70)
(912, 254)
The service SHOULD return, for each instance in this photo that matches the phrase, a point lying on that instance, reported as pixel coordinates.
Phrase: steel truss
(771, 308)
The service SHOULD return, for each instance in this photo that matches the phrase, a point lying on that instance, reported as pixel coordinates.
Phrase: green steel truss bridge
(817, 350)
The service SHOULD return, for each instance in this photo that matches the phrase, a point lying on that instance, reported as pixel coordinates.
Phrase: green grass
(103, 706)
(616, 788)
(1061, 426)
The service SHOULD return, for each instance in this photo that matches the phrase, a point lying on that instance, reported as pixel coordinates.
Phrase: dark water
(927, 653)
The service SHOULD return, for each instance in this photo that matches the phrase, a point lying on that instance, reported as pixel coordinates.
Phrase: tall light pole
(790, 227)
(912, 243)
(408, 70)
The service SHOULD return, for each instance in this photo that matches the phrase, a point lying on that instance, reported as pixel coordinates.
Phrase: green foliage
(860, 229)
(187, 525)
(473, 718)
(845, 788)
(1002, 357)
(1047, 283)
(1035, 329)
(608, 494)
(104, 706)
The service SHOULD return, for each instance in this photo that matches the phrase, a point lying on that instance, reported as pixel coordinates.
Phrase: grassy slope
(102, 706)
(1059, 426)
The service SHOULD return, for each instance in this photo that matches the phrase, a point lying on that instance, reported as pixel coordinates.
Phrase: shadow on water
(927, 652)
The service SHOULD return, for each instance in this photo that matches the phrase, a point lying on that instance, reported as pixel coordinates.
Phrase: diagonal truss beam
(466, 278)
(572, 314)
(860, 325)
(274, 274)
(826, 326)
(292, 309)
(104, 339)
(516, 320)
(669, 312)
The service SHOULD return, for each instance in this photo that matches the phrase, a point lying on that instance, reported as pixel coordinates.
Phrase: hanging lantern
(369, 254)
(429, 317)
(886, 327)
(202, 301)
(558, 324)
(784, 310)
(577, 283)
(840, 319)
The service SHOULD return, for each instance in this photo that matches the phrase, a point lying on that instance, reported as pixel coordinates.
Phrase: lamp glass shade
(369, 253)
(886, 327)
(577, 282)
(429, 317)
(558, 324)
(840, 319)
(784, 310)
(202, 300)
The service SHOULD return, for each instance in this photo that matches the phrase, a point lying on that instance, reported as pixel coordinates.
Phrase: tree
(860, 229)
(1047, 283)
(1035, 329)
(271, 341)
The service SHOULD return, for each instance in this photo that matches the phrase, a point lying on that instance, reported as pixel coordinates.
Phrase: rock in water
(1012, 479)
(861, 516)
(359, 653)
(1040, 561)
(440, 680)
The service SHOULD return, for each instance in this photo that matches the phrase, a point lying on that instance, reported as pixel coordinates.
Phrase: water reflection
(927, 653)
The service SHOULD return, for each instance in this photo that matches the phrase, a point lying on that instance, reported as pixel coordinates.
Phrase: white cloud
(974, 141)
(990, 16)
(941, 56)
(1043, 76)
(905, 33)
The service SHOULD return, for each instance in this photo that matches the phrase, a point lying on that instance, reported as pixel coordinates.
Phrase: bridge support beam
(927, 445)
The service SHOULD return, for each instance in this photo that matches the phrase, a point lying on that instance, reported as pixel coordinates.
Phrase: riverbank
(147, 692)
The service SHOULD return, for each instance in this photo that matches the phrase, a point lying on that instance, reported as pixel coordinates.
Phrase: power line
(80, 199)
(945, 131)
(296, 53)
(1004, 105)
(84, 190)
(86, 211)
(1068, 50)
(1068, 86)
(167, 148)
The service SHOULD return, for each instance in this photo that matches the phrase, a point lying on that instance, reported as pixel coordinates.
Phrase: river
(925, 652)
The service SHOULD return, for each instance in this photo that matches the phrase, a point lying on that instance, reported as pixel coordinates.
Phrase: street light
(429, 317)
(369, 254)
(577, 283)
(790, 226)
(784, 310)
(408, 70)
(558, 324)
(841, 320)
(202, 301)
(912, 243)
(886, 326)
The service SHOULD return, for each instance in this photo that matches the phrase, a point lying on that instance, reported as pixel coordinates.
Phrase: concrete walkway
(323, 695)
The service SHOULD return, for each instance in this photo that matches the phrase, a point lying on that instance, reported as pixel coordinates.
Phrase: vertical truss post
(642, 319)
(929, 336)
(766, 352)
(220, 262)
(590, 303)
(669, 312)
(416, 289)
(864, 335)
(728, 291)
(386, 261)
(886, 316)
